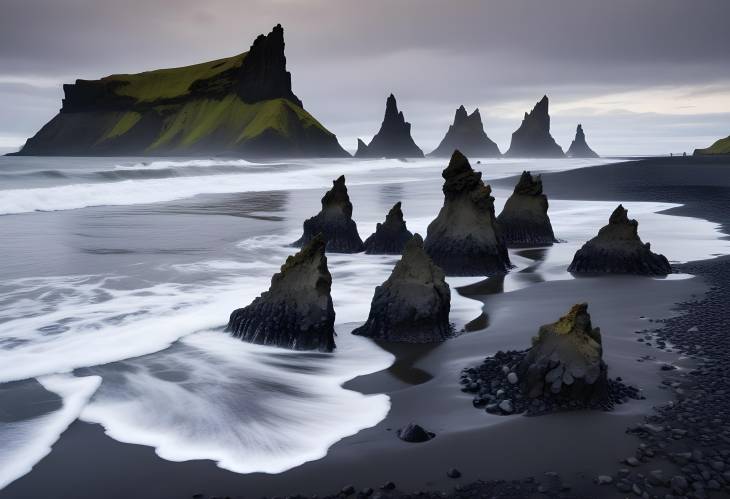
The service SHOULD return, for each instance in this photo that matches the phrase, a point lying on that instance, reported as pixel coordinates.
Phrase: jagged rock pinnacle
(524, 221)
(391, 236)
(532, 138)
(579, 148)
(393, 140)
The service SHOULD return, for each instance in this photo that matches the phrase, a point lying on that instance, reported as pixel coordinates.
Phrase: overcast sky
(642, 76)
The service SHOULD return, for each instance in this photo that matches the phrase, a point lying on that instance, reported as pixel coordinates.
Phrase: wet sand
(423, 386)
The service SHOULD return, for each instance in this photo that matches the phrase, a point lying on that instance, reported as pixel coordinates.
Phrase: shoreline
(427, 392)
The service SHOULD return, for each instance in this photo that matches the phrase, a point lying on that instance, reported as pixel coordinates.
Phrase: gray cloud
(346, 56)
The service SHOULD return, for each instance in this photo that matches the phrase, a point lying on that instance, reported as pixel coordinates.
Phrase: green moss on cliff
(169, 83)
(722, 146)
(123, 125)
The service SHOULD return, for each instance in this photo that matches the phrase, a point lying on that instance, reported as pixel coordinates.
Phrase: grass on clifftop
(722, 146)
(172, 82)
(229, 121)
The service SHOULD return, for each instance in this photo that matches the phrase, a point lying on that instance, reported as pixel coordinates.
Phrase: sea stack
(524, 220)
(334, 222)
(412, 305)
(240, 106)
(393, 140)
(467, 135)
(579, 148)
(618, 249)
(566, 360)
(532, 139)
(391, 236)
(296, 312)
(465, 239)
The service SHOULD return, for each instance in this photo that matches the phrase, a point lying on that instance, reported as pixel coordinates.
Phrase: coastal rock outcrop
(391, 236)
(334, 222)
(579, 148)
(618, 249)
(721, 146)
(464, 239)
(566, 360)
(412, 305)
(532, 139)
(296, 312)
(524, 220)
(393, 140)
(241, 105)
(467, 135)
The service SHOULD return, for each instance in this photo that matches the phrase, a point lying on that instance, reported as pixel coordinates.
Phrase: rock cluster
(524, 220)
(579, 148)
(532, 139)
(412, 305)
(617, 249)
(393, 140)
(296, 312)
(465, 239)
(562, 371)
(467, 135)
(334, 222)
(391, 236)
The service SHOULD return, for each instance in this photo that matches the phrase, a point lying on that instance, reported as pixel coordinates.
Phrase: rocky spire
(334, 222)
(412, 305)
(296, 312)
(467, 135)
(532, 138)
(393, 140)
(263, 74)
(618, 249)
(566, 360)
(391, 236)
(579, 148)
(464, 239)
(524, 220)
(362, 149)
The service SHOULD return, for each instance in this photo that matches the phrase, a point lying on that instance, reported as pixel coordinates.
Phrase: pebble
(453, 473)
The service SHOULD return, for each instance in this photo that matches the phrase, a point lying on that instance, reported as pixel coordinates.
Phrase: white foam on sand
(248, 407)
(24, 443)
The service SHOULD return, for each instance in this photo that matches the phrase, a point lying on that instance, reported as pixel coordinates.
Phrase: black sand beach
(424, 388)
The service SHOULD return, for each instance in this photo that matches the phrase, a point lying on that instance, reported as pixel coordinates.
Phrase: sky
(642, 76)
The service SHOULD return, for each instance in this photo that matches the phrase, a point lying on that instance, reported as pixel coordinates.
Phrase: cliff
(721, 146)
(241, 105)
(467, 135)
(532, 139)
(393, 140)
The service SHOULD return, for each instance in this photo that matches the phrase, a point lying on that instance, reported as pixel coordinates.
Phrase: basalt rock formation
(242, 105)
(412, 305)
(391, 236)
(618, 249)
(721, 146)
(465, 239)
(467, 135)
(579, 148)
(296, 312)
(566, 360)
(334, 222)
(524, 220)
(532, 139)
(393, 140)
(414, 433)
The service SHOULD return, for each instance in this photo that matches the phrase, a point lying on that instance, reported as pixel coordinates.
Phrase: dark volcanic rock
(362, 149)
(579, 148)
(467, 135)
(334, 222)
(566, 360)
(393, 140)
(414, 433)
(532, 139)
(524, 220)
(391, 236)
(296, 312)
(617, 249)
(465, 239)
(412, 305)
